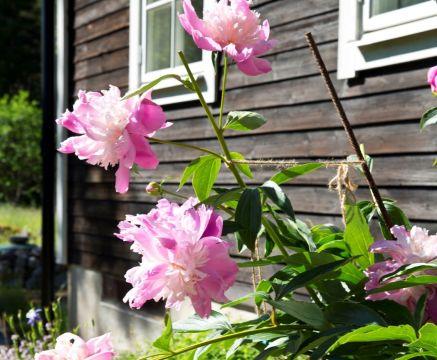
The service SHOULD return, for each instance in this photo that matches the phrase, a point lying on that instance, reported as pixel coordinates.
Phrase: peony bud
(154, 189)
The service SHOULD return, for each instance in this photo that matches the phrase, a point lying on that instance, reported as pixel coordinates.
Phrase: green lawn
(15, 219)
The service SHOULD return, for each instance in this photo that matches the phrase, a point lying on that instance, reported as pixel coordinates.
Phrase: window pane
(158, 41)
(383, 6)
(151, 1)
(185, 42)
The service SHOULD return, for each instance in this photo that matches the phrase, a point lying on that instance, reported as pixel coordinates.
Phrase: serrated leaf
(248, 217)
(278, 197)
(244, 168)
(294, 171)
(428, 118)
(205, 176)
(244, 121)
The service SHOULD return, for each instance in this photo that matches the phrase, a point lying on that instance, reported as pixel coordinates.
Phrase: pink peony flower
(432, 79)
(113, 131)
(234, 29)
(72, 347)
(410, 247)
(182, 256)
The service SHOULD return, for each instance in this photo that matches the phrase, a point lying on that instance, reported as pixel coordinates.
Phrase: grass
(16, 219)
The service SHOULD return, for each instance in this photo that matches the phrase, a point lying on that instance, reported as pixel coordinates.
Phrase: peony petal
(122, 178)
(204, 42)
(145, 157)
(254, 66)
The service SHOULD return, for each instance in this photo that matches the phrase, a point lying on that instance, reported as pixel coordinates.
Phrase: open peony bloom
(432, 79)
(72, 347)
(182, 256)
(113, 131)
(232, 28)
(410, 247)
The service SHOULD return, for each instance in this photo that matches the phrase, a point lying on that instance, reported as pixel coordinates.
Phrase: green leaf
(191, 169)
(244, 168)
(419, 312)
(205, 176)
(312, 275)
(244, 121)
(409, 269)
(152, 84)
(371, 333)
(427, 339)
(409, 282)
(357, 235)
(429, 118)
(278, 197)
(397, 216)
(164, 341)
(416, 355)
(216, 321)
(223, 197)
(304, 311)
(248, 217)
(349, 313)
(294, 171)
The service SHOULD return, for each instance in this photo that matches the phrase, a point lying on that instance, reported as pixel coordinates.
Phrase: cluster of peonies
(234, 29)
(432, 79)
(113, 131)
(70, 346)
(410, 247)
(182, 256)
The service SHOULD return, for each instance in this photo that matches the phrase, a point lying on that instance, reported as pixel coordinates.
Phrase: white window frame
(363, 40)
(202, 70)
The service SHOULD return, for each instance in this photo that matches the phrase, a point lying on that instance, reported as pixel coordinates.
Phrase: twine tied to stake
(345, 187)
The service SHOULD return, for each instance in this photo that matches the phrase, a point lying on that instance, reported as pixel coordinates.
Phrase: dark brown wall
(384, 106)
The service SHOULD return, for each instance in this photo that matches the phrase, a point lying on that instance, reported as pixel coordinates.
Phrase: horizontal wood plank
(98, 10)
(117, 40)
(415, 171)
(116, 60)
(104, 26)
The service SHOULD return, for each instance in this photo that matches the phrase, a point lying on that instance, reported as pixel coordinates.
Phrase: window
(156, 36)
(377, 33)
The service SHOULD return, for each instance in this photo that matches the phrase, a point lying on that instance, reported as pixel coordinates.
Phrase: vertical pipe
(48, 150)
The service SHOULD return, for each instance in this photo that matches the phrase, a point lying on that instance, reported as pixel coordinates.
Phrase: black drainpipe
(48, 149)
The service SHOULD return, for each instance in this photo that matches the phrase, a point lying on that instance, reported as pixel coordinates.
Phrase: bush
(20, 157)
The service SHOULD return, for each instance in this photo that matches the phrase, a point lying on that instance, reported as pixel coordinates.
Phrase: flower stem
(211, 119)
(222, 104)
(224, 338)
(194, 147)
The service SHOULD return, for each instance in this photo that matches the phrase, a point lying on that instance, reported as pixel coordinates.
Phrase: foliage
(30, 337)
(20, 159)
(16, 219)
(20, 34)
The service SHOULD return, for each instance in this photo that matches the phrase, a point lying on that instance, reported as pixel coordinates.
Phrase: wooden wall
(384, 106)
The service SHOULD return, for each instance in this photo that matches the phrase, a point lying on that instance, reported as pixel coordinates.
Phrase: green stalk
(187, 146)
(211, 119)
(222, 104)
(224, 338)
(274, 237)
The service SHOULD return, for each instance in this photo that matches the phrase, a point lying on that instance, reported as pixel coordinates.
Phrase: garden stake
(349, 131)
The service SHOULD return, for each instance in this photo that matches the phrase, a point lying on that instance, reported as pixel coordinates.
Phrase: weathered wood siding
(384, 106)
